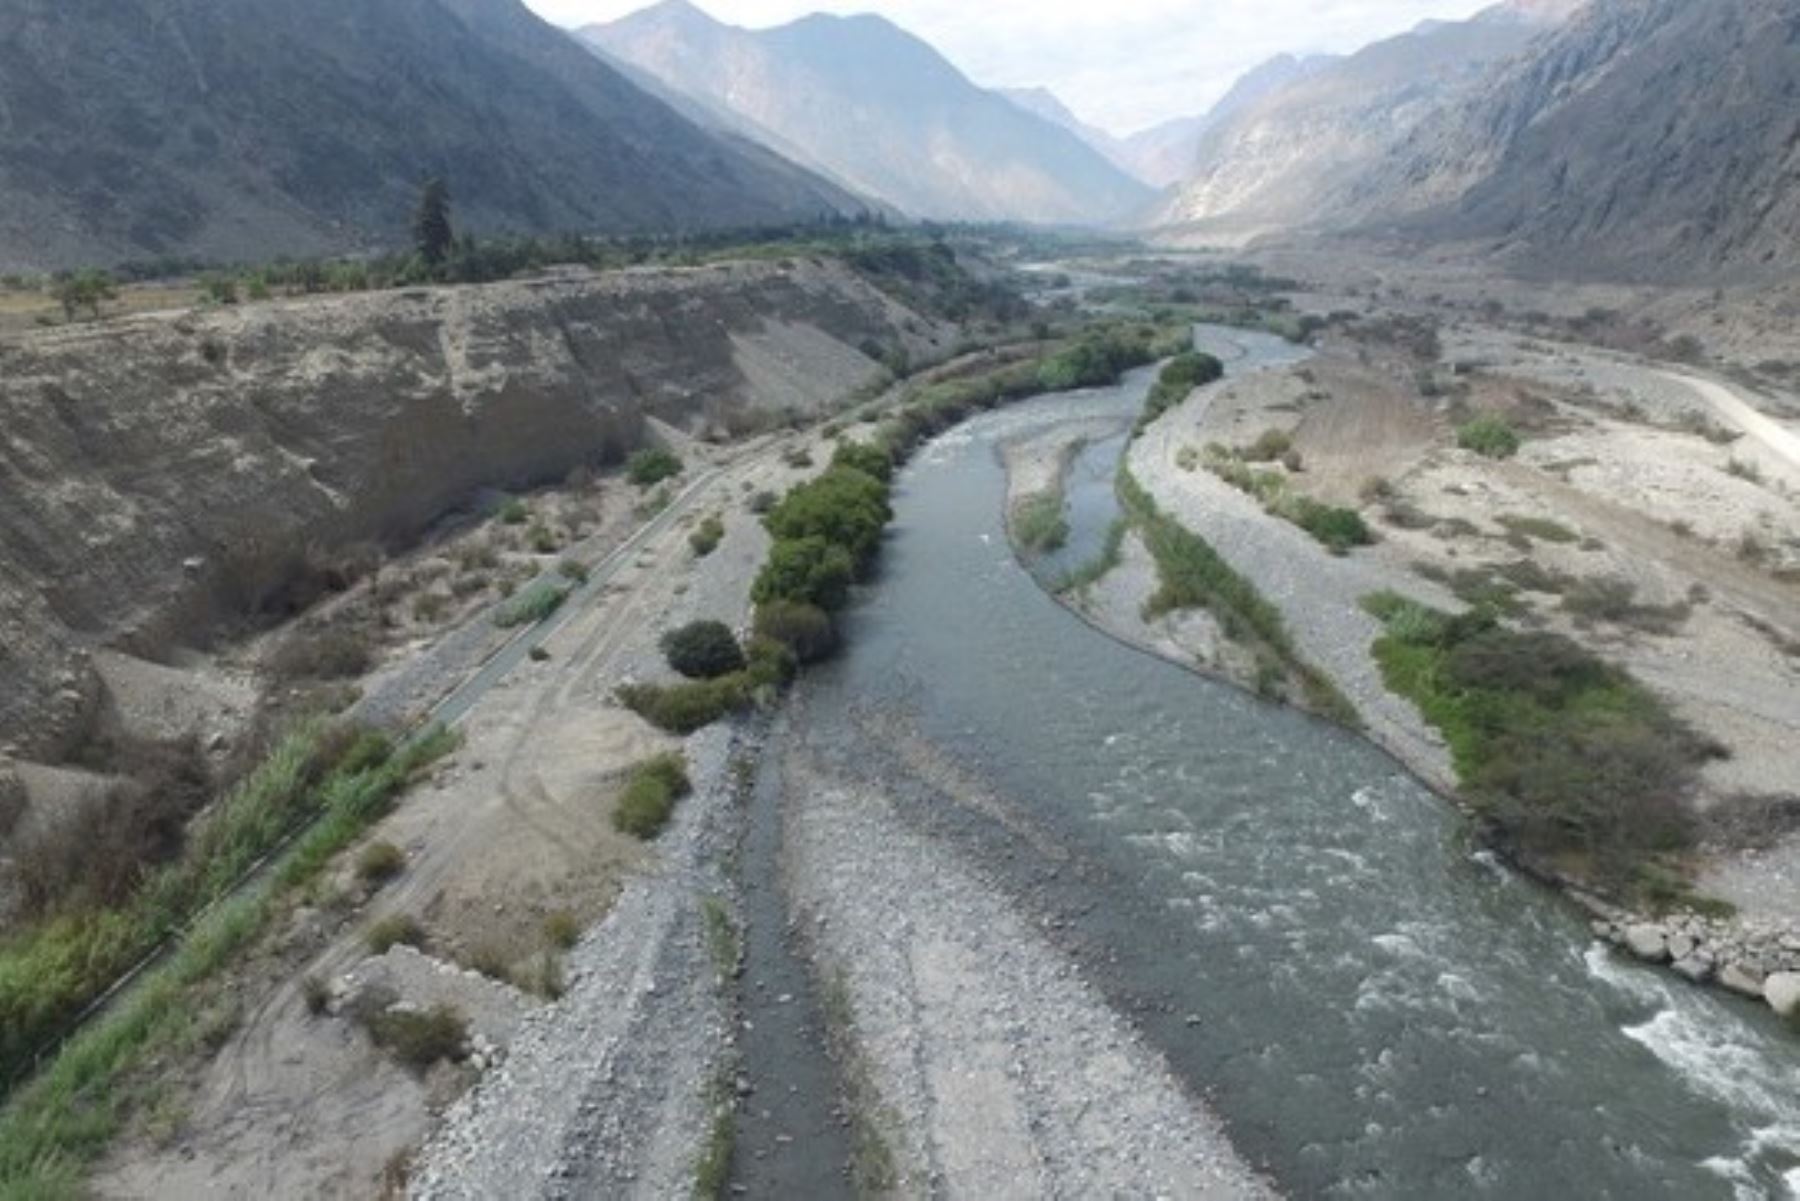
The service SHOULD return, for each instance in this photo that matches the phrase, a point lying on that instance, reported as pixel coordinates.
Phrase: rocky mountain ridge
(1291, 157)
(1646, 136)
(866, 103)
(245, 129)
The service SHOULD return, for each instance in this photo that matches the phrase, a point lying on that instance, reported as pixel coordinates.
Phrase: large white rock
(1695, 967)
(1782, 992)
(1646, 941)
(1741, 979)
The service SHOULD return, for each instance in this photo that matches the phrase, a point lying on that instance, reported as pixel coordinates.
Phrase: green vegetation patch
(1337, 529)
(1541, 529)
(531, 606)
(689, 706)
(648, 800)
(707, 535)
(1561, 751)
(1490, 436)
(1195, 576)
(64, 1117)
(652, 465)
(1038, 523)
(1180, 376)
(703, 650)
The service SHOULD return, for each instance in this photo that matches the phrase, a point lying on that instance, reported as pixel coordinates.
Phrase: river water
(1295, 923)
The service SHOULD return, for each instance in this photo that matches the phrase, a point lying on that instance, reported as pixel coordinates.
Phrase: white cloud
(1122, 64)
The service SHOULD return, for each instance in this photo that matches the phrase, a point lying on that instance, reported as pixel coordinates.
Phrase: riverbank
(1321, 596)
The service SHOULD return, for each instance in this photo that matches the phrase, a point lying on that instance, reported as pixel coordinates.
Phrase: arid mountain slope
(1294, 156)
(242, 129)
(870, 105)
(1169, 153)
(162, 474)
(1645, 136)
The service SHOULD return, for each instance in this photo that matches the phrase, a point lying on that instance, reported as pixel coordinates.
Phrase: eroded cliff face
(163, 476)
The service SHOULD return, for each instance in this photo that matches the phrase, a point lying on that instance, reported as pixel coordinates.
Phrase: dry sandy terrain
(514, 827)
(1676, 485)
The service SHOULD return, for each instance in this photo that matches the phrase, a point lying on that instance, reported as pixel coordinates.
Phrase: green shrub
(771, 664)
(562, 929)
(810, 570)
(866, 457)
(1269, 446)
(805, 629)
(1180, 376)
(513, 511)
(707, 535)
(652, 465)
(763, 501)
(380, 862)
(1561, 751)
(703, 650)
(541, 540)
(531, 606)
(684, 708)
(420, 1039)
(316, 994)
(1540, 528)
(1337, 529)
(1489, 435)
(844, 506)
(1039, 524)
(393, 930)
(648, 799)
(573, 570)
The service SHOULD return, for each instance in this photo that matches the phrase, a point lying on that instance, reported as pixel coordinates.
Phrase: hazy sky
(1122, 64)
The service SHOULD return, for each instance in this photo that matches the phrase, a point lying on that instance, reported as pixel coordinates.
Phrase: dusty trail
(1775, 437)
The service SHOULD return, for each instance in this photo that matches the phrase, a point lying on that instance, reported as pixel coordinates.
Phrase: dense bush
(1270, 445)
(866, 457)
(703, 650)
(322, 652)
(805, 629)
(707, 535)
(844, 506)
(810, 570)
(1038, 523)
(1180, 376)
(649, 796)
(652, 465)
(1337, 529)
(394, 930)
(1562, 751)
(684, 708)
(1489, 435)
(419, 1039)
(531, 606)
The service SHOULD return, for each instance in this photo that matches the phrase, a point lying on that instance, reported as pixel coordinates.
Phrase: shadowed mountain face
(242, 129)
(878, 110)
(1646, 136)
(1292, 156)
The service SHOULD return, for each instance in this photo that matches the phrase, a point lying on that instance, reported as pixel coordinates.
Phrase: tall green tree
(432, 233)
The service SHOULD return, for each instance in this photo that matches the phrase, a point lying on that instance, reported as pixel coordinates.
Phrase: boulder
(1646, 941)
(1680, 946)
(1743, 980)
(1782, 992)
(1695, 967)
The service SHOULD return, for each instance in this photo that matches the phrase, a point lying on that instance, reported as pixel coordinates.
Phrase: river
(1291, 919)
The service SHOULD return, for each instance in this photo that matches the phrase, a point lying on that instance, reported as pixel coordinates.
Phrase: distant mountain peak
(871, 104)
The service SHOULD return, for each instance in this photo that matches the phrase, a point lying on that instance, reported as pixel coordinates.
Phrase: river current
(1293, 921)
